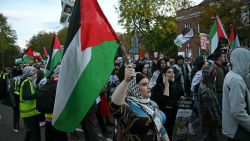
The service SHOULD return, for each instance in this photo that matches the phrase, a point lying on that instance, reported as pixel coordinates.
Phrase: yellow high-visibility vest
(27, 107)
(3, 75)
(16, 87)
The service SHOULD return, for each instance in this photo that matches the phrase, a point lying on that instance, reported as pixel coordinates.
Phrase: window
(187, 25)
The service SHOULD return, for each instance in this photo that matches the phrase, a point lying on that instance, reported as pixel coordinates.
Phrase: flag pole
(124, 53)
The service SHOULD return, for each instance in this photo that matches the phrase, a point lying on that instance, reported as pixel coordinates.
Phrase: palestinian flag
(87, 63)
(45, 53)
(234, 40)
(18, 61)
(217, 32)
(55, 55)
(37, 56)
(28, 55)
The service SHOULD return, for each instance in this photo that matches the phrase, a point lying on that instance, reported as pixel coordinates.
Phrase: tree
(230, 14)
(62, 34)
(161, 38)
(153, 21)
(45, 39)
(176, 5)
(41, 40)
(8, 37)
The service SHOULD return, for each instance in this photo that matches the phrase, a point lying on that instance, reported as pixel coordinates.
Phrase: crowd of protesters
(140, 101)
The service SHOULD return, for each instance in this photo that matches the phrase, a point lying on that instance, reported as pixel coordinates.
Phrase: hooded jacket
(236, 95)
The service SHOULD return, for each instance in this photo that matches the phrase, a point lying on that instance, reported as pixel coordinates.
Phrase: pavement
(7, 133)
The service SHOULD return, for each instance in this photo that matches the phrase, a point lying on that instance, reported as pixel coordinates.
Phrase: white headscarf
(29, 72)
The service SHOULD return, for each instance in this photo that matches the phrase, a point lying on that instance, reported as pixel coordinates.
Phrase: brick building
(190, 17)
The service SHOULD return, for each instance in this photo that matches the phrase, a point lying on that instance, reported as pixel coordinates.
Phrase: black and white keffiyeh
(149, 107)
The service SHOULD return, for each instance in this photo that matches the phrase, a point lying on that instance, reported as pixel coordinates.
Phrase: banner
(183, 116)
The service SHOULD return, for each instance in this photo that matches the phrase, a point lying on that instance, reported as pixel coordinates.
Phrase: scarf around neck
(149, 107)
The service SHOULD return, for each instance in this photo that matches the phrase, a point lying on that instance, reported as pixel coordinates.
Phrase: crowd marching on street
(91, 89)
(147, 100)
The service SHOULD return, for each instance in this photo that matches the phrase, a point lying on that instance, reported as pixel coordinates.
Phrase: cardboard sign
(67, 8)
(183, 116)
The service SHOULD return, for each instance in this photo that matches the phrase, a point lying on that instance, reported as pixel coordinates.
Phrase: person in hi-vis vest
(15, 96)
(3, 83)
(27, 104)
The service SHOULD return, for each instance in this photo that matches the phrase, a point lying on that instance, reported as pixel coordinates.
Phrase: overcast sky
(28, 17)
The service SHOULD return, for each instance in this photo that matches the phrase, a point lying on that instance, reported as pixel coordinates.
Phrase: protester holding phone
(165, 95)
(161, 63)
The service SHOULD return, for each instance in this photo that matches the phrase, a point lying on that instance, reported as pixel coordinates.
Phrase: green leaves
(44, 39)
(154, 22)
(41, 40)
(9, 51)
(8, 37)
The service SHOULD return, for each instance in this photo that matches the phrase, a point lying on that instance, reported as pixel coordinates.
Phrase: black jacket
(166, 103)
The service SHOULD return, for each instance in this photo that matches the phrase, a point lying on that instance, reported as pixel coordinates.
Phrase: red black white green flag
(234, 39)
(28, 55)
(37, 56)
(45, 52)
(87, 63)
(55, 55)
(217, 32)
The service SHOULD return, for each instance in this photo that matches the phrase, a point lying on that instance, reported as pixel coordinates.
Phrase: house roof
(208, 1)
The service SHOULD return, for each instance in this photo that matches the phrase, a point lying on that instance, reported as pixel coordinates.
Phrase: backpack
(46, 97)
